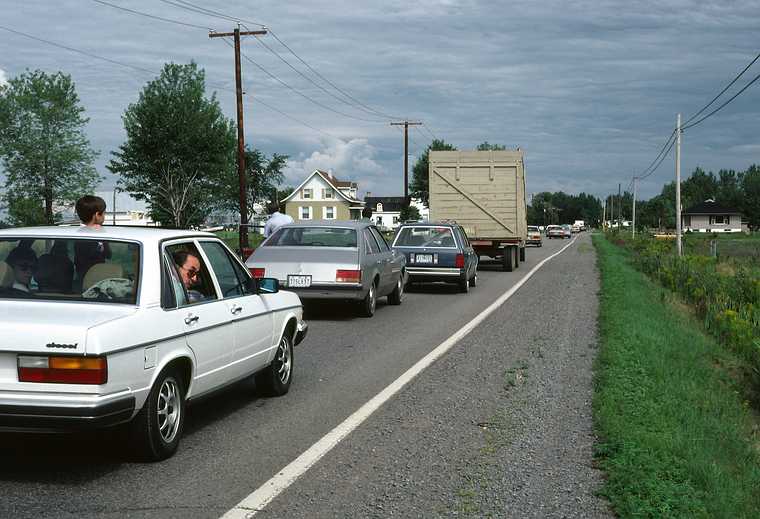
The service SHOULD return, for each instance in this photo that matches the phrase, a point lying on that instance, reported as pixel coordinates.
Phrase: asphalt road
(500, 426)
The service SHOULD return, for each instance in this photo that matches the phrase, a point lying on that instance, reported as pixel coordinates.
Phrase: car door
(374, 260)
(470, 258)
(253, 322)
(206, 323)
(390, 270)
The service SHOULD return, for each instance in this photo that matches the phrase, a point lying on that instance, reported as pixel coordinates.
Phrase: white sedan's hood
(52, 327)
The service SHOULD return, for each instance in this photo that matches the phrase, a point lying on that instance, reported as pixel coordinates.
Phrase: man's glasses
(191, 273)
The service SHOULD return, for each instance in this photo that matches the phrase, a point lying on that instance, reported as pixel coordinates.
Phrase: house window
(329, 213)
(304, 213)
(395, 220)
(379, 207)
(307, 193)
(327, 194)
(719, 219)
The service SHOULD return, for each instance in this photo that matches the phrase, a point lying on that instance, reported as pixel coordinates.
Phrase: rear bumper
(46, 412)
(533, 242)
(434, 274)
(336, 292)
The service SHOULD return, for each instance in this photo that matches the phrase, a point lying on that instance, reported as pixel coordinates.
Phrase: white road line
(256, 501)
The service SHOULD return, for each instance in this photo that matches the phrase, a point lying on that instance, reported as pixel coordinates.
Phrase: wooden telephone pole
(241, 139)
(406, 125)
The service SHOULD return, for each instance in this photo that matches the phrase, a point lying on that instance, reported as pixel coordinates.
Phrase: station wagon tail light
(459, 262)
(348, 276)
(62, 369)
(257, 272)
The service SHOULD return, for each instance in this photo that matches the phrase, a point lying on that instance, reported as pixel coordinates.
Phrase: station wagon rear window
(425, 237)
(312, 237)
(75, 269)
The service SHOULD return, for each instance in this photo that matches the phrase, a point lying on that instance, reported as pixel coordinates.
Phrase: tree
(262, 178)
(179, 149)
(24, 212)
(44, 152)
(487, 146)
(420, 181)
(409, 213)
(751, 189)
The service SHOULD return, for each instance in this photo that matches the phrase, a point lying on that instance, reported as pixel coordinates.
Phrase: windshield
(69, 270)
(425, 237)
(312, 237)
(532, 228)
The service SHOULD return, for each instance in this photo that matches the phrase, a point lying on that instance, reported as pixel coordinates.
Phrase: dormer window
(307, 193)
(379, 207)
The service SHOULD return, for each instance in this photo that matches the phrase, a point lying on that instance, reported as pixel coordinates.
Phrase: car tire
(464, 285)
(474, 280)
(157, 428)
(369, 303)
(397, 296)
(275, 379)
(506, 260)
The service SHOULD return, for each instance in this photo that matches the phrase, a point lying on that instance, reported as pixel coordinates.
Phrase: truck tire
(516, 251)
(522, 254)
(506, 259)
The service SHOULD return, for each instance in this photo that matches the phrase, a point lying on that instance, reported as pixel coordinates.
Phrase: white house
(323, 197)
(386, 210)
(708, 216)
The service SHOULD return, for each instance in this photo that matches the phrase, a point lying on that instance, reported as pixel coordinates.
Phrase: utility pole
(604, 213)
(612, 210)
(635, 179)
(620, 208)
(679, 246)
(243, 231)
(406, 125)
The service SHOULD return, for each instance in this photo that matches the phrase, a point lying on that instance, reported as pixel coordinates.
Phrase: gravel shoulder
(499, 427)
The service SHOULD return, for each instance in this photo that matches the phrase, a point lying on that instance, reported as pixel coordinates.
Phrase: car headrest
(101, 271)
(6, 275)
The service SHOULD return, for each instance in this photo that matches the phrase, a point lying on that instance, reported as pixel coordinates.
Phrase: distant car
(567, 231)
(437, 252)
(554, 231)
(122, 339)
(575, 228)
(534, 236)
(329, 259)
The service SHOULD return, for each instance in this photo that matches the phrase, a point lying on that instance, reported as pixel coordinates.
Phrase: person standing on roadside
(92, 213)
(276, 220)
(366, 214)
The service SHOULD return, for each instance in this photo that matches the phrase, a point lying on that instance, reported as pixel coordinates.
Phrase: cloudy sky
(589, 89)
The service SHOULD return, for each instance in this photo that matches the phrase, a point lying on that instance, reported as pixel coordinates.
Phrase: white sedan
(127, 325)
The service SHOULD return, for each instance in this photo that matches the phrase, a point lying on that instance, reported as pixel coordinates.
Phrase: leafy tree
(263, 175)
(729, 189)
(487, 146)
(285, 192)
(26, 212)
(179, 149)
(43, 149)
(751, 189)
(418, 188)
(409, 213)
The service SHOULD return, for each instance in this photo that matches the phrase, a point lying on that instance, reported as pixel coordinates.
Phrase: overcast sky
(589, 90)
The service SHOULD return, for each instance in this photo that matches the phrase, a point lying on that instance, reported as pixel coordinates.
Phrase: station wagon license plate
(423, 258)
(299, 281)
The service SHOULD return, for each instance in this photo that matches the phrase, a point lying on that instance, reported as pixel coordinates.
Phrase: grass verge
(676, 438)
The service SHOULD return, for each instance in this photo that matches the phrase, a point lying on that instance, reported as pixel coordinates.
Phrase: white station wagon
(104, 327)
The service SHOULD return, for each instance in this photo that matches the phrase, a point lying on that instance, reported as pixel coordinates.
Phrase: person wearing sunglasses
(189, 269)
(23, 260)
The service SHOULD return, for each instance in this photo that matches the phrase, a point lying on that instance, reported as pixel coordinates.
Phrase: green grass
(676, 437)
(232, 239)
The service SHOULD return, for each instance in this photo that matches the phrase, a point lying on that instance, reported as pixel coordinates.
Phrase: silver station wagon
(127, 325)
(343, 260)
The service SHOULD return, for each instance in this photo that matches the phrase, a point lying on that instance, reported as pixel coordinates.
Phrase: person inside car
(23, 260)
(189, 268)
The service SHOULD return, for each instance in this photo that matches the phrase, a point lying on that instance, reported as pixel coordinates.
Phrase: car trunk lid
(321, 263)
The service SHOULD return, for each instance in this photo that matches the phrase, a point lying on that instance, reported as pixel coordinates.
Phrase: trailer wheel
(506, 259)
(522, 254)
(516, 251)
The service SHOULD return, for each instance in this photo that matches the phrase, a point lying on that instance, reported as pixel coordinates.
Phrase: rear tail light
(62, 369)
(348, 276)
(459, 262)
(257, 272)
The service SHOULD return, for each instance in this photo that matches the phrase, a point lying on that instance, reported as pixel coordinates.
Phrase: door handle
(236, 310)
(190, 319)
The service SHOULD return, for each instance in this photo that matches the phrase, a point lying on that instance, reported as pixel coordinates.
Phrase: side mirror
(265, 285)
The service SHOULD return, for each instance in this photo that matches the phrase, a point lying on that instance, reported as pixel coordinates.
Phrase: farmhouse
(323, 197)
(708, 216)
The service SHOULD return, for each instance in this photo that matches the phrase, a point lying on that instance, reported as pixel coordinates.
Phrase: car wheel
(395, 297)
(158, 426)
(464, 285)
(275, 379)
(369, 303)
(474, 280)
(507, 259)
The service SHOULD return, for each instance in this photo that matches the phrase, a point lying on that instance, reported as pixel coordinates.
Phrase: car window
(380, 240)
(230, 280)
(427, 236)
(191, 270)
(370, 243)
(71, 269)
(463, 237)
(173, 293)
(312, 237)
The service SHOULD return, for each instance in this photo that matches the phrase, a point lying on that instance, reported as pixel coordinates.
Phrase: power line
(429, 131)
(147, 15)
(218, 14)
(722, 91)
(648, 170)
(721, 106)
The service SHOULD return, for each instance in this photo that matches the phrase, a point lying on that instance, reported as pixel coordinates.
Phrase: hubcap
(169, 410)
(372, 301)
(284, 361)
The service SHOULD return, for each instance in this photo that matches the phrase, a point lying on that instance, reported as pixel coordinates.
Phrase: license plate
(299, 281)
(423, 258)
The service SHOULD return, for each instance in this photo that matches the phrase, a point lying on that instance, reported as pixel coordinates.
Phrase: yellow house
(323, 197)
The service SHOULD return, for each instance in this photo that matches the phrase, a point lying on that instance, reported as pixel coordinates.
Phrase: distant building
(121, 209)
(386, 210)
(323, 197)
(708, 216)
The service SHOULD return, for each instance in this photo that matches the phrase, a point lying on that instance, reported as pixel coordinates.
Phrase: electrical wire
(140, 13)
(721, 106)
(648, 171)
(218, 14)
(722, 91)
(429, 131)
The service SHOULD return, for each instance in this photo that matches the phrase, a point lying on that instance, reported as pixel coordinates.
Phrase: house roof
(710, 207)
(331, 180)
(390, 203)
